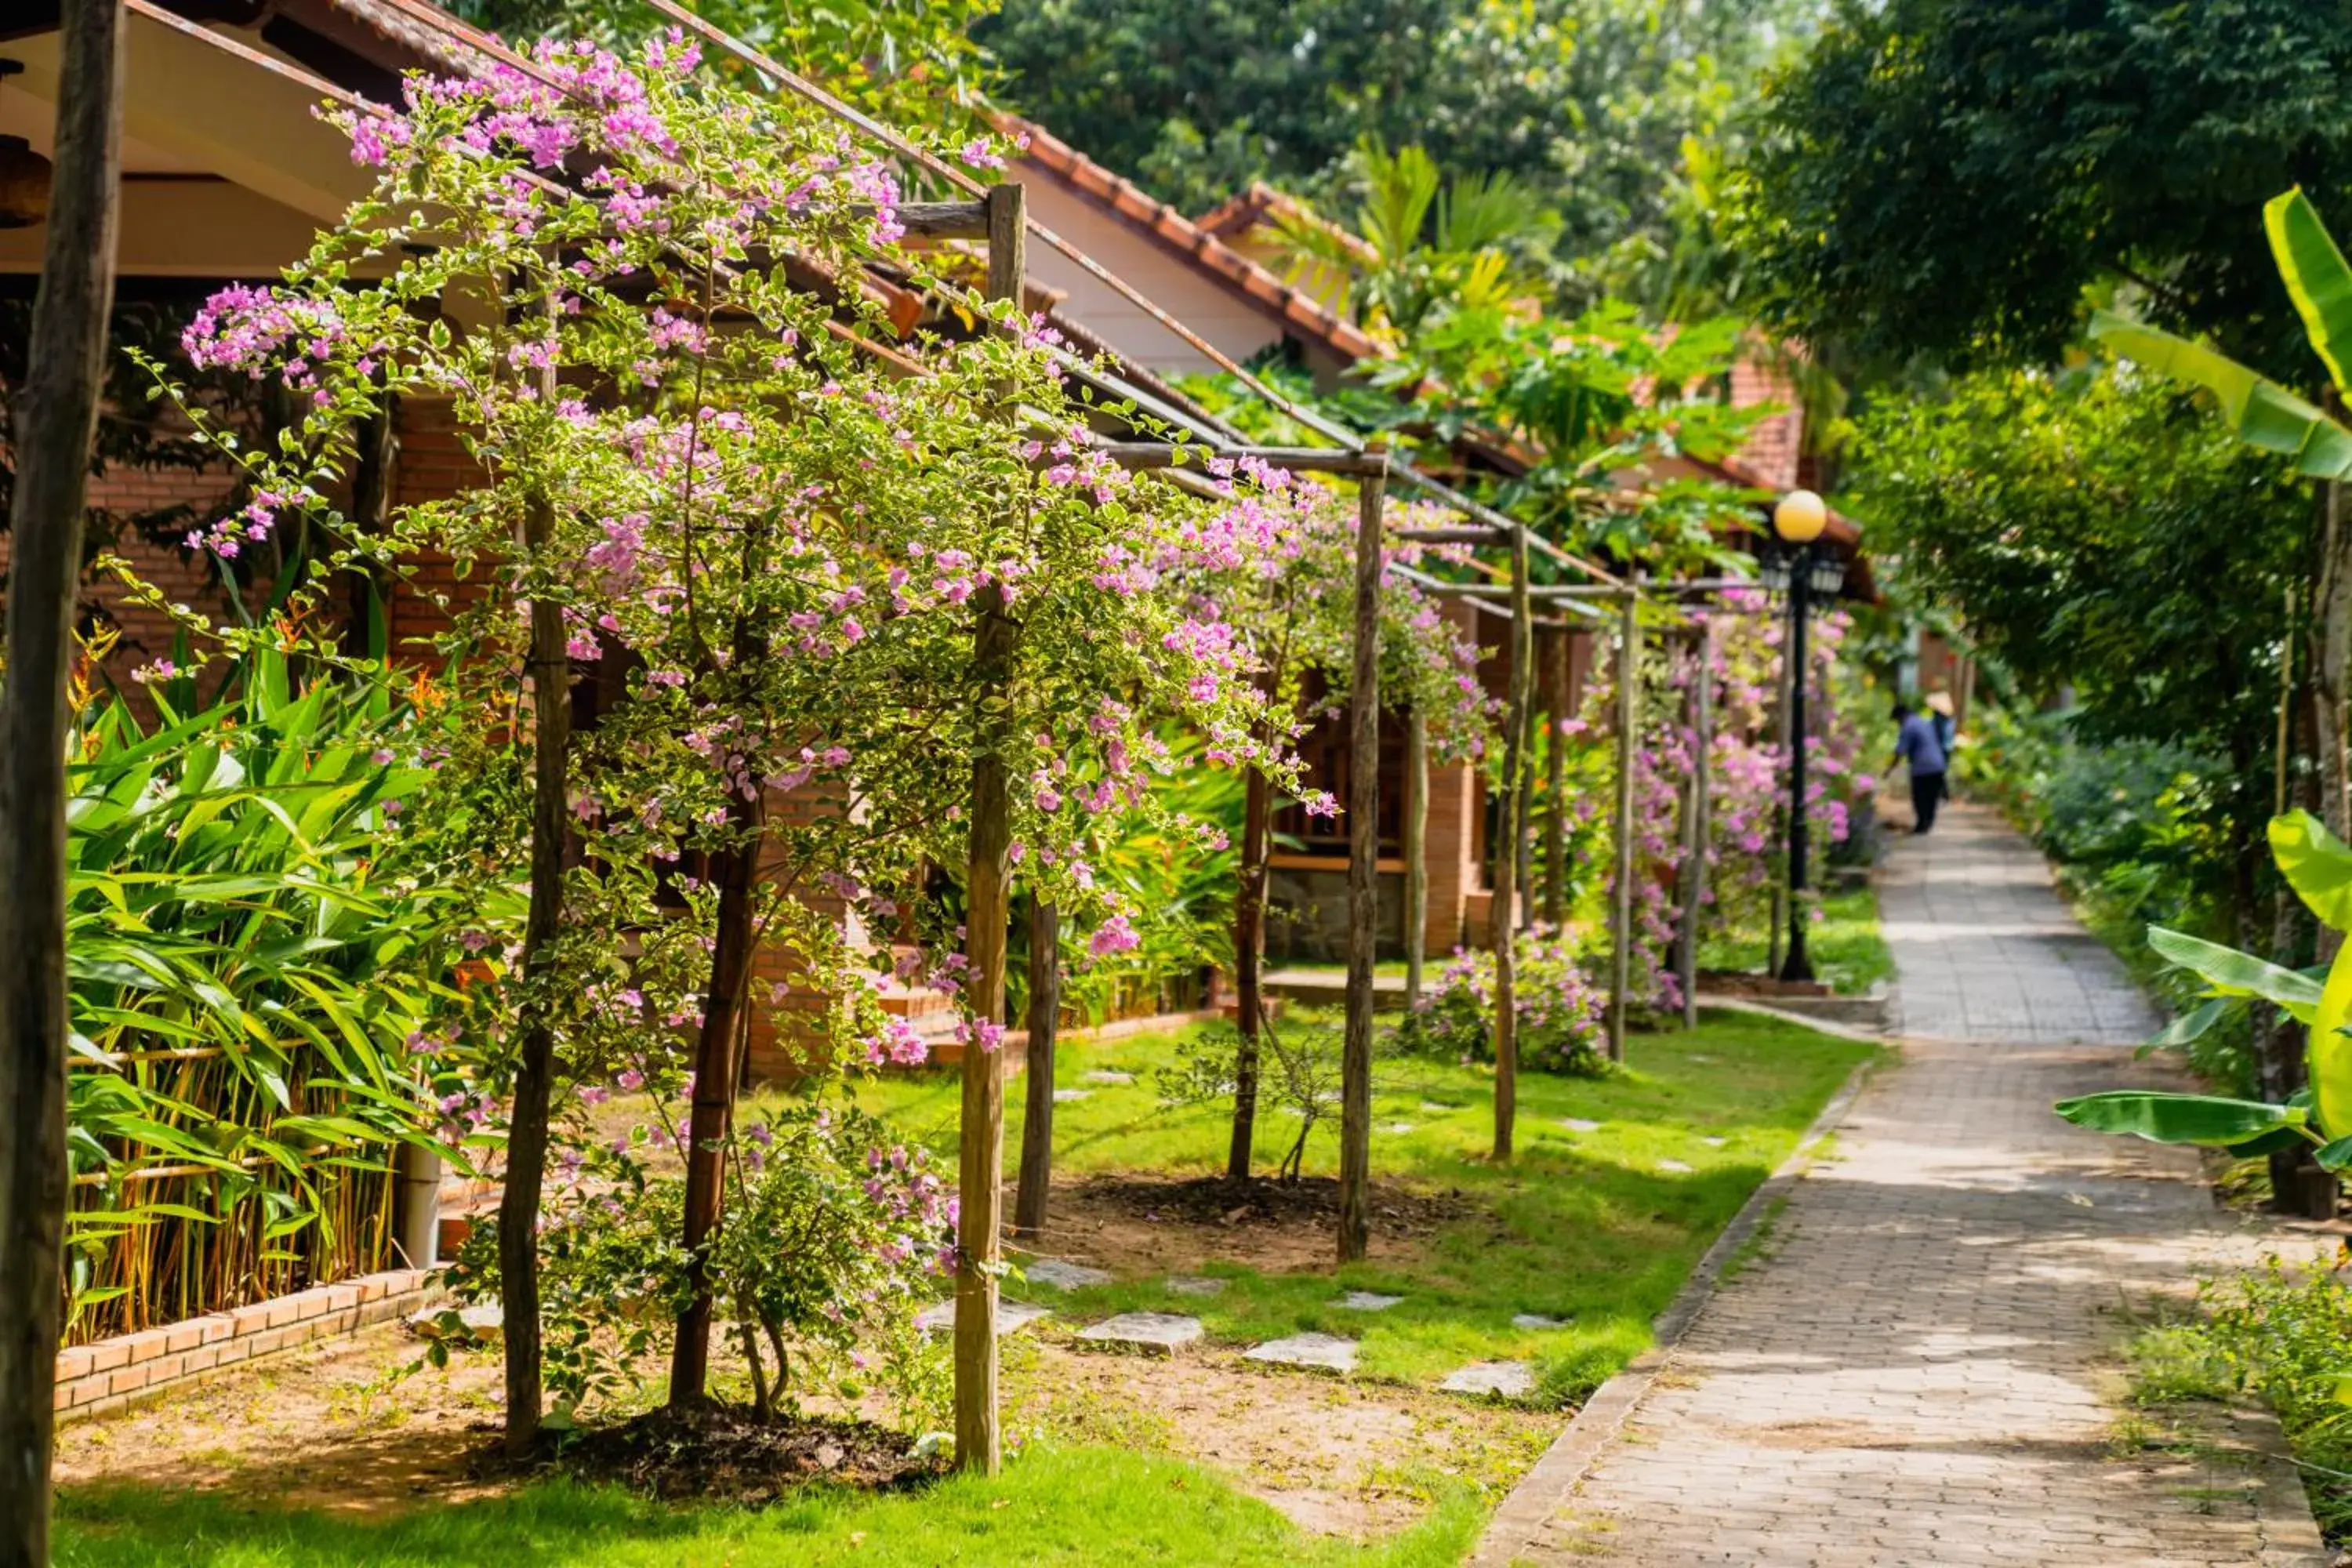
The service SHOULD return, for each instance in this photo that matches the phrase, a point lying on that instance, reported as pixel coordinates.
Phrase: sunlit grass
(1848, 951)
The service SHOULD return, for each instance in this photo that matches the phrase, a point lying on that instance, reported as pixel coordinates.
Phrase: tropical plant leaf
(2206, 1120)
(2191, 1026)
(2230, 972)
(2316, 275)
(2317, 863)
(2264, 414)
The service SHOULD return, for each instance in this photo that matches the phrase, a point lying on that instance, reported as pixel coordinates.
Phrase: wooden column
(1629, 719)
(1363, 880)
(1696, 812)
(1502, 915)
(981, 1175)
(1783, 706)
(1416, 853)
(1555, 899)
(1044, 1018)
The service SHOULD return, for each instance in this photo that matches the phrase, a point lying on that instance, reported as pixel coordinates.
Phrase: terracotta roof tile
(1184, 237)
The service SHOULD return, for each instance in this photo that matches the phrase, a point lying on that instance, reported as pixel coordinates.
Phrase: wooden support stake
(1502, 920)
(1416, 853)
(1363, 884)
(1784, 705)
(1249, 968)
(1629, 717)
(980, 1176)
(1696, 811)
(1044, 1018)
(1556, 784)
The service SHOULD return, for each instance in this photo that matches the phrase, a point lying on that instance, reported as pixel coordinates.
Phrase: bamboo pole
(1502, 914)
(981, 1175)
(1416, 853)
(1696, 812)
(1629, 682)
(1363, 884)
(1044, 1020)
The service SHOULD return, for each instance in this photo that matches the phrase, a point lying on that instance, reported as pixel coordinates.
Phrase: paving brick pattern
(1919, 1368)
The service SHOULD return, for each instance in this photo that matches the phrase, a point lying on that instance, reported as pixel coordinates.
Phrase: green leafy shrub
(1299, 1072)
(2282, 1335)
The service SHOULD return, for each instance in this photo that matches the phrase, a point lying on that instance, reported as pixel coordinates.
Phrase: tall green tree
(1951, 178)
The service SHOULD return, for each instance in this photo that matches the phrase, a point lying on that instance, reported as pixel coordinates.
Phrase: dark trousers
(1926, 794)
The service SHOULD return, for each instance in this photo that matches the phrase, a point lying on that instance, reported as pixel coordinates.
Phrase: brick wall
(111, 1374)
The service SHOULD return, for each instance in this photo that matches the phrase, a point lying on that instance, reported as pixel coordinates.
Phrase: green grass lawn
(1081, 1508)
(1583, 1225)
(1847, 950)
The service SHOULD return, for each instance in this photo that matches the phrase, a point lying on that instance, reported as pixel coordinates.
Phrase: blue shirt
(1918, 742)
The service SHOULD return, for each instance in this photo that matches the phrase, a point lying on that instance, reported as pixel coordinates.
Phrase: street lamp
(1806, 567)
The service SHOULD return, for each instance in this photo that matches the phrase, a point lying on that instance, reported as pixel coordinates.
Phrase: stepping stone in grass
(1165, 1332)
(1195, 1285)
(1434, 1106)
(1674, 1168)
(1714, 1142)
(1063, 1096)
(1537, 1320)
(1324, 1352)
(1063, 1276)
(1397, 1127)
(1695, 1057)
(1506, 1379)
(1367, 1302)
(1578, 1124)
(1105, 1075)
(1012, 1317)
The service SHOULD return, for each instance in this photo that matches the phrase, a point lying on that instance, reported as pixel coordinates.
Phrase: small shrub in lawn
(1559, 1012)
(832, 1235)
(1300, 1072)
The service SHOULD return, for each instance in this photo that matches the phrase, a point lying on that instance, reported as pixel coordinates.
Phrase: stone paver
(1324, 1352)
(1012, 1317)
(1537, 1320)
(1919, 1367)
(1510, 1379)
(1165, 1332)
(1062, 1276)
(1195, 1285)
(1367, 1301)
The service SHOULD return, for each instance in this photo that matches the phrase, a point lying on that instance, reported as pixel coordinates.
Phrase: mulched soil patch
(1310, 1200)
(723, 1454)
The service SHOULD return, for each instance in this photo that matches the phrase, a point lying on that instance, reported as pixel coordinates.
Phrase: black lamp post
(1807, 568)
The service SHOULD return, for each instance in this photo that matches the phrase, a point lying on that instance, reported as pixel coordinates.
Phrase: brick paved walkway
(1918, 1370)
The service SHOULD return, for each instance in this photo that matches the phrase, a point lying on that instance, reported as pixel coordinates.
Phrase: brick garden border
(111, 1375)
(1545, 1489)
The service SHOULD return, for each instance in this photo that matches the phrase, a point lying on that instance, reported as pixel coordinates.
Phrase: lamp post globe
(1800, 517)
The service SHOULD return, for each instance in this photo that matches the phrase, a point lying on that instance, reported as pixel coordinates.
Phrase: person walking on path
(1916, 743)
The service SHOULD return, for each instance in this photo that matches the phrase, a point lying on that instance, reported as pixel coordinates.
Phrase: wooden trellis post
(1629, 713)
(980, 1176)
(1044, 1018)
(1363, 877)
(1249, 967)
(1556, 785)
(1502, 915)
(1696, 813)
(1416, 852)
(1782, 708)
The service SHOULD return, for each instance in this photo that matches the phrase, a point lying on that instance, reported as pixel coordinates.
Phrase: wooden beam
(1416, 852)
(981, 1174)
(1044, 1021)
(1144, 454)
(1363, 879)
(1477, 535)
(1556, 785)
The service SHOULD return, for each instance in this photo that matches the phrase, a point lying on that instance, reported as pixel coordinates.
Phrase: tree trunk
(1249, 968)
(1363, 881)
(1783, 705)
(981, 1174)
(527, 1132)
(709, 1121)
(56, 418)
(2333, 602)
(1045, 1019)
(1502, 914)
(1416, 854)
